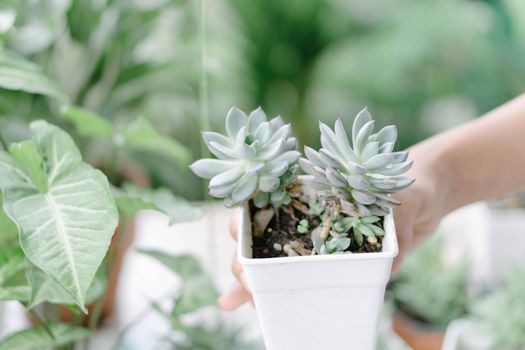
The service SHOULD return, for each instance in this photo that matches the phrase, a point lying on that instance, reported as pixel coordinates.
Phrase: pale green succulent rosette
(256, 159)
(363, 176)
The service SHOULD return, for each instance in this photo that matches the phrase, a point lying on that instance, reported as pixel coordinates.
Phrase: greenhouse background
(159, 71)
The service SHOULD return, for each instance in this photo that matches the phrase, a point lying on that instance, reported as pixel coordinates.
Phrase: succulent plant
(336, 245)
(361, 177)
(361, 226)
(332, 236)
(303, 226)
(257, 159)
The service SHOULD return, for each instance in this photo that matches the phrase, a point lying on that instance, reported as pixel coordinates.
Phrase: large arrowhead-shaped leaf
(38, 338)
(13, 282)
(66, 223)
(17, 73)
(44, 288)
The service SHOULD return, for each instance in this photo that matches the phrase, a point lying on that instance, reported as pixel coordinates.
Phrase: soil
(282, 230)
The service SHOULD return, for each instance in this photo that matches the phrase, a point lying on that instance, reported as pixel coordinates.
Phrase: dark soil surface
(282, 230)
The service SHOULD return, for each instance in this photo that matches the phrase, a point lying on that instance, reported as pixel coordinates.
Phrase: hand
(239, 292)
(418, 215)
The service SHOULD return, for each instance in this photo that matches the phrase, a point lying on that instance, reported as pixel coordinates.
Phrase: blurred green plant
(501, 314)
(41, 180)
(397, 58)
(54, 209)
(121, 59)
(56, 335)
(429, 291)
(196, 294)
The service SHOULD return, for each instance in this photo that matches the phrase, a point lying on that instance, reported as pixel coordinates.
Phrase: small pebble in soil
(277, 247)
(287, 248)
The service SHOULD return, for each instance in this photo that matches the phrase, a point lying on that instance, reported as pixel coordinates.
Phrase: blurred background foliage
(425, 65)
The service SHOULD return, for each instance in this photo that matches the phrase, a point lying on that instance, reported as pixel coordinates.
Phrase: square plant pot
(318, 302)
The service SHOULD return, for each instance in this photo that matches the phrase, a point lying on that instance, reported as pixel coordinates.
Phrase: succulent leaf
(208, 168)
(360, 120)
(227, 177)
(387, 135)
(235, 120)
(244, 188)
(256, 118)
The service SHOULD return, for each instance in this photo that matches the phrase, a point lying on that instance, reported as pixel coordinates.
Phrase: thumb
(404, 223)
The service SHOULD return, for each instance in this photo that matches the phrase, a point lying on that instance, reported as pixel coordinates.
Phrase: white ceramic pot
(318, 302)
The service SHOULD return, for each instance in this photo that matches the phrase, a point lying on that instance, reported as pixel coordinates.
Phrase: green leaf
(131, 199)
(142, 136)
(197, 292)
(26, 153)
(186, 266)
(20, 74)
(8, 229)
(45, 289)
(129, 205)
(82, 19)
(197, 289)
(38, 338)
(215, 337)
(66, 230)
(13, 283)
(88, 123)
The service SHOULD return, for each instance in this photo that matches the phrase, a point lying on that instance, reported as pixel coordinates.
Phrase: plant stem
(203, 85)
(112, 171)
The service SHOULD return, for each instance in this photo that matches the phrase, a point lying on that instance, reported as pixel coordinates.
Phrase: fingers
(239, 274)
(404, 235)
(234, 224)
(239, 292)
(397, 263)
(235, 297)
(404, 222)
